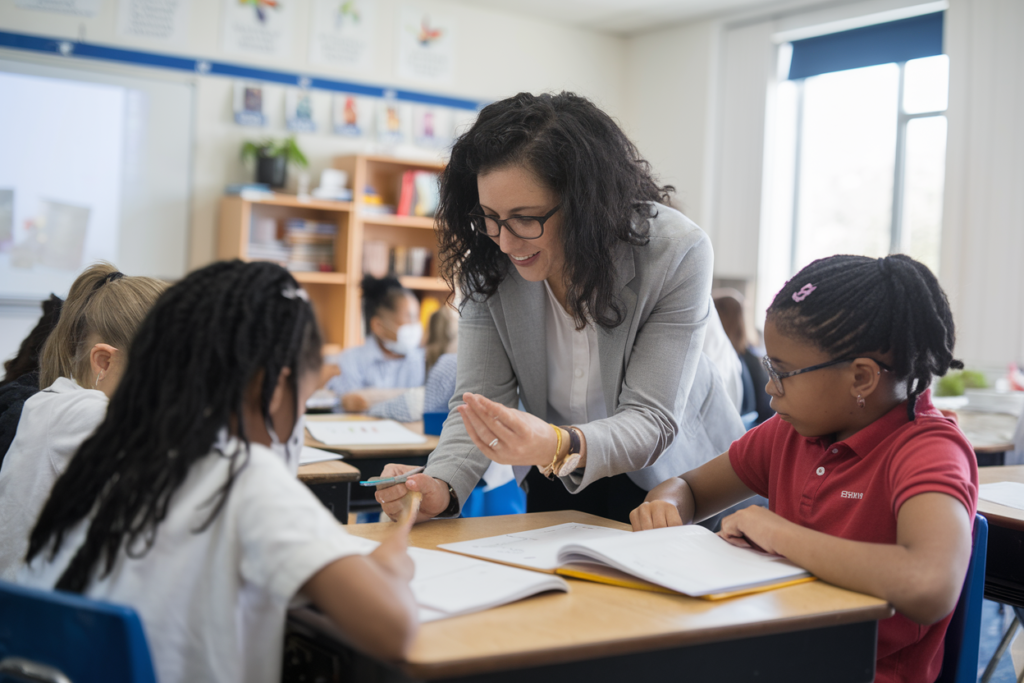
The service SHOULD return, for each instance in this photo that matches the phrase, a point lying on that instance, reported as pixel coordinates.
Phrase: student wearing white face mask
(392, 359)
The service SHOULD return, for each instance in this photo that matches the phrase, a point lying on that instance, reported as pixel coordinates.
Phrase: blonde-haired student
(869, 486)
(80, 366)
(184, 504)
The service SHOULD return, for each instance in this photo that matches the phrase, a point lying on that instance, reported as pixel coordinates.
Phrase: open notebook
(689, 560)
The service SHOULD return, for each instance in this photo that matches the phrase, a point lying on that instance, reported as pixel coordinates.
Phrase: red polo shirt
(854, 489)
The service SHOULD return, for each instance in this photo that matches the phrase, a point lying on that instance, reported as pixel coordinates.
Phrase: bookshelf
(335, 293)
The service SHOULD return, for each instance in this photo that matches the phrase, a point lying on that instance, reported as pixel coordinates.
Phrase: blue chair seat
(963, 635)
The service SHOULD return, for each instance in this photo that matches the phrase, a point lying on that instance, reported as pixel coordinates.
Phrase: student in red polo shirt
(869, 486)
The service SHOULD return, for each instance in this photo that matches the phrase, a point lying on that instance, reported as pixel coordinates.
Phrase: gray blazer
(668, 411)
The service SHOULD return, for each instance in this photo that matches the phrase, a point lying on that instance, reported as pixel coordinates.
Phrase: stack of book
(380, 259)
(418, 194)
(311, 245)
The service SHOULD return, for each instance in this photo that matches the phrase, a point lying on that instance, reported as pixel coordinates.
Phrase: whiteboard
(95, 166)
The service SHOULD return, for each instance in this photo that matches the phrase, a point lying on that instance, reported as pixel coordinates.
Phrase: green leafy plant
(251, 151)
(955, 383)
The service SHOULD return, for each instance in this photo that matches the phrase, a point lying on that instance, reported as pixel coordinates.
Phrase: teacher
(585, 300)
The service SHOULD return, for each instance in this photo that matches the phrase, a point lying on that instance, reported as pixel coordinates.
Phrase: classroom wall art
(80, 8)
(431, 126)
(341, 33)
(165, 21)
(248, 104)
(352, 115)
(426, 46)
(393, 122)
(298, 111)
(259, 28)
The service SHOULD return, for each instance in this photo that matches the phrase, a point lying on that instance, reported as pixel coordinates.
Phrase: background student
(869, 486)
(81, 365)
(391, 360)
(21, 373)
(185, 506)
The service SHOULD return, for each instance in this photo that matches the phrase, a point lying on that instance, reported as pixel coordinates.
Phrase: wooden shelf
(423, 284)
(292, 201)
(397, 221)
(319, 278)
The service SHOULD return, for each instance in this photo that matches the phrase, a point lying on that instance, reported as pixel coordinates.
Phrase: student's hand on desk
(391, 555)
(661, 506)
(354, 402)
(435, 493)
(518, 438)
(753, 527)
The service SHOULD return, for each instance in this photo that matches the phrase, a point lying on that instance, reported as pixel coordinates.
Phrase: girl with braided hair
(869, 486)
(184, 504)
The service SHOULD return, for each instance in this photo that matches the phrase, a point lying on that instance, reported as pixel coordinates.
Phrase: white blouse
(575, 395)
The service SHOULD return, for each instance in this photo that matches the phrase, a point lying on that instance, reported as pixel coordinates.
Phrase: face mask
(409, 337)
(290, 449)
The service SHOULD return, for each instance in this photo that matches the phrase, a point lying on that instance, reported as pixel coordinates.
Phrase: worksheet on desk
(362, 433)
(1008, 493)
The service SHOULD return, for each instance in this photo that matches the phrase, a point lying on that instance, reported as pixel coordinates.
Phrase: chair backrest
(86, 640)
(963, 635)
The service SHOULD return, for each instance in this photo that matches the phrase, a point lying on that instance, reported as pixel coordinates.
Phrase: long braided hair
(850, 305)
(204, 343)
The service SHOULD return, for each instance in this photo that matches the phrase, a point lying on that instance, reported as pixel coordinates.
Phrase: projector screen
(94, 167)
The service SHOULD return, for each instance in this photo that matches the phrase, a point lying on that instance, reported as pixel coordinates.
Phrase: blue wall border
(72, 48)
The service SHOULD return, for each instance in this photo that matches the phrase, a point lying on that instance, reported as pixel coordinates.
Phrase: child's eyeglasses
(777, 377)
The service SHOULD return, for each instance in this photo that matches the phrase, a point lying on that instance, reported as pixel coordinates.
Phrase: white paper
(81, 8)
(537, 548)
(352, 115)
(310, 455)
(687, 559)
(257, 29)
(341, 33)
(362, 433)
(1008, 493)
(162, 20)
(426, 46)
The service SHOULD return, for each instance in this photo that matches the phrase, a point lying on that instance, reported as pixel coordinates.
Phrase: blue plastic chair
(963, 636)
(85, 640)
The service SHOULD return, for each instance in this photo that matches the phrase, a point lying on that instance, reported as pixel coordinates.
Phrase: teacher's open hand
(507, 436)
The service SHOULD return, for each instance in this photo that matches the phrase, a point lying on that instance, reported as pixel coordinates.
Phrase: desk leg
(335, 498)
(839, 654)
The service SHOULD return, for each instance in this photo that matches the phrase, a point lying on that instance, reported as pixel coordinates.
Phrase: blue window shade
(894, 41)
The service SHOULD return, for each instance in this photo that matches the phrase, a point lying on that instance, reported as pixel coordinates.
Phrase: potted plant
(272, 157)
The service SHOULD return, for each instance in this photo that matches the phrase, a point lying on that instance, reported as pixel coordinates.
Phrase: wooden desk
(331, 482)
(1004, 561)
(810, 632)
(371, 459)
(990, 434)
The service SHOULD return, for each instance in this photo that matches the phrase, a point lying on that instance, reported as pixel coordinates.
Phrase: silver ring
(493, 443)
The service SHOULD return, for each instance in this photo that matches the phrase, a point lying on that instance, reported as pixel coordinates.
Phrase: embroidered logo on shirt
(851, 494)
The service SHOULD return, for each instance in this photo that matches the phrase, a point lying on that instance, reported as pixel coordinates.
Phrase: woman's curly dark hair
(605, 189)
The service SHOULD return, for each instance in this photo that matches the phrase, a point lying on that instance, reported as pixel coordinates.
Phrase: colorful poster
(260, 28)
(162, 20)
(341, 33)
(298, 111)
(352, 115)
(426, 46)
(79, 8)
(431, 126)
(393, 122)
(248, 104)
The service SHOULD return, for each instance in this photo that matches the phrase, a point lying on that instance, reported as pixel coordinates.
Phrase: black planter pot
(272, 170)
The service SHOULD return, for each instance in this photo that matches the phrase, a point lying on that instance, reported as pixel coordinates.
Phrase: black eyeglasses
(523, 227)
(777, 377)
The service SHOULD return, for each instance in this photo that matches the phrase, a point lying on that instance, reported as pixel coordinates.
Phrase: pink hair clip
(804, 292)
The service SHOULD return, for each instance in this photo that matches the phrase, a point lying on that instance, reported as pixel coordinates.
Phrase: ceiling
(618, 16)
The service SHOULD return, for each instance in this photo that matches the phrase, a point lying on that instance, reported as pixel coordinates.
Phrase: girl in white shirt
(80, 366)
(184, 505)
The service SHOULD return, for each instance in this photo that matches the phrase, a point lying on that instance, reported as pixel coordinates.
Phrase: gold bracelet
(548, 469)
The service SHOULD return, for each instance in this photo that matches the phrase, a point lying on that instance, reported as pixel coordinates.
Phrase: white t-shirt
(53, 424)
(213, 603)
(575, 394)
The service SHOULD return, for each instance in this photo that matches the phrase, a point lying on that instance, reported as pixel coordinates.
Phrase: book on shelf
(413, 261)
(689, 559)
(418, 194)
(306, 245)
(375, 258)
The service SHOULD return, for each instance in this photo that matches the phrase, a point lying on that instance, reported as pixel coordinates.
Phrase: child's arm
(692, 497)
(920, 575)
(368, 597)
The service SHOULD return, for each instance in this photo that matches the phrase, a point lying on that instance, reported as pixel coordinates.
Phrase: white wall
(497, 55)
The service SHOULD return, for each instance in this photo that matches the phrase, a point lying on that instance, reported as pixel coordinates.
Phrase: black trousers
(612, 497)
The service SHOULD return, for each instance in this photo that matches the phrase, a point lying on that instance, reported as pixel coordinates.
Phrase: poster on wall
(79, 8)
(393, 122)
(260, 28)
(426, 46)
(298, 111)
(352, 115)
(431, 126)
(248, 104)
(162, 20)
(341, 33)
